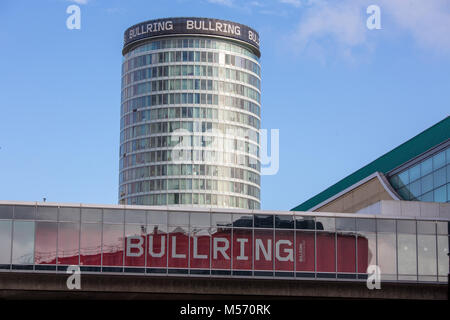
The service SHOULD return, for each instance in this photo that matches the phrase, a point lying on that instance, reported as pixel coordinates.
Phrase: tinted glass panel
(323, 223)
(113, 216)
(178, 219)
(305, 223)
(24, 212)
(406, 226)
(91, 215)
(366, 225)
(284, 222)
(263, 221)
(47, 213)
(387, 255)
(263, 247)
(385, 225)
(346, 252)
(304, 250)
(242, 248)
(23, 242)
(69, 214)
(179, 247)
(221, 220)
(91, 244)
(406, 248)
(136, 216)
(345, 224)
(5, 242)
(242, 220)
(157, 239)
(45, 245)
(326, 252)
(200, 219)
(113, 245)
(68, 243)
(284, 250)
(426, 252)
(157, 217)
(135, 245)
(200, 248)
(6, 212)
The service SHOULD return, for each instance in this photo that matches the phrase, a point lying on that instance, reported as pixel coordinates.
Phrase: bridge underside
(15, 285)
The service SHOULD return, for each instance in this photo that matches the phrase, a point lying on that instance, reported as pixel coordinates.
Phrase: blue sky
(341, 95)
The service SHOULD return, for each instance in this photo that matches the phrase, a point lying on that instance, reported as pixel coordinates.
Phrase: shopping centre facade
(188, 222)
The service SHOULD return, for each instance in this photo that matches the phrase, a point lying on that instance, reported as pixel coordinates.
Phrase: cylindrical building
(190, 114)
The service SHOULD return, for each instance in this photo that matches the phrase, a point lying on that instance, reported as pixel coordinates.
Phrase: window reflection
(200, 240)
(113, 245)
(284, 250)
(407, 263)
(157, 241)
(387, 255)
(47, 213)
(91, 244)
(91, 215)
(23, 242)
(45, 245)
(6, 212)
(426, 255)
(202, 219)
(5, 241)
(68, 243)
(443, 259)
(135, 245)
(221, 249)
(24, 212)
(157, 218)
(305, 250)
(263, 249)
(179, 247)
(326, 252)
(69, 214)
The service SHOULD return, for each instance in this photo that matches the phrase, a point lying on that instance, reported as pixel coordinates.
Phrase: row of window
(189, 98)
(403, 249)
(421, 169)
(202, 43)
(190, 113)
(189, 126)
(190, 56)
(188, 170)
(190, 70)
(193, 199)
(425, 181)
(204, 218)
(189, 184)
(187, 142)
(189, 155)
(190, 84)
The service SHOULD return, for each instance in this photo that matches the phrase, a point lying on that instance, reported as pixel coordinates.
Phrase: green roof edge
(408, 150)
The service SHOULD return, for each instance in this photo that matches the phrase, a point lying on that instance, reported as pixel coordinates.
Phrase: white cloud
(427, 21)
(295, 3)
(339, 27)
(227, 3)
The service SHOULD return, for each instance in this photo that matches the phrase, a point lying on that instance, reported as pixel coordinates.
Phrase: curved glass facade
(190, 120)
